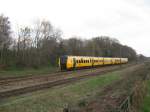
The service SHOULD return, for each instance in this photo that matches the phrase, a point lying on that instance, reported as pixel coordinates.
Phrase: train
(67, 62)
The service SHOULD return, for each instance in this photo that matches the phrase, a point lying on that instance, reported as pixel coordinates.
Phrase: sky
(126, 20)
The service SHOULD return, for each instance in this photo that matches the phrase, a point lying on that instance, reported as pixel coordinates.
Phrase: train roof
(88, 56)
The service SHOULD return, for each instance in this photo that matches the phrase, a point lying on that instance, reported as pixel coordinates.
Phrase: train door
(74, 63)
(92, 63)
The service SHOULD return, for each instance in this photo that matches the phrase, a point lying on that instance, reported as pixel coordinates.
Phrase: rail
(126, 104)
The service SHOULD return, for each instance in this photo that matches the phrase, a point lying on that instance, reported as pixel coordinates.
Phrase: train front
(63, 62)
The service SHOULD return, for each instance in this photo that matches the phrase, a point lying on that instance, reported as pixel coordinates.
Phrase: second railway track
(20, 86)
(6, 80)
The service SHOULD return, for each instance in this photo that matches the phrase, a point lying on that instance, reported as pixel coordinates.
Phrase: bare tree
(5, 38)
(42, 45)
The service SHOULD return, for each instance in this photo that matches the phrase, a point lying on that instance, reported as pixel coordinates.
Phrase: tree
(74, 46)
(43, 44)
(5, 38)
(23, 46)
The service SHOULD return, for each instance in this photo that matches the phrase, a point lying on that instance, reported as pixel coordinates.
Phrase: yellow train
(73, 62)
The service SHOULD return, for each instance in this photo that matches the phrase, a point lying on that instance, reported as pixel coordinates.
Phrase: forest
(41, 44)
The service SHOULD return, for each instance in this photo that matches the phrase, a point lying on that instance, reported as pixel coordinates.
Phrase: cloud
(126, 20)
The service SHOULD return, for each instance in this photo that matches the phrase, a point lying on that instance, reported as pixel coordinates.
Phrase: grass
(55, 99)
(145, 107)
(26, 71)
(146, 102)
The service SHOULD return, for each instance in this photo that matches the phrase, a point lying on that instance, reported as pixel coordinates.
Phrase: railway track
(18, 86)
(6, 80)
(13, 79)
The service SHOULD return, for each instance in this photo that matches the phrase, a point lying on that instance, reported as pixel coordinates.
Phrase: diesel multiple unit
(74, 62)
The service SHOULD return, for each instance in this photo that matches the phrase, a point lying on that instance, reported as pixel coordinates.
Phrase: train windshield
(63, 62)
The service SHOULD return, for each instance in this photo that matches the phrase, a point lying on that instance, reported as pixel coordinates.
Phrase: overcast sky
(126, 20)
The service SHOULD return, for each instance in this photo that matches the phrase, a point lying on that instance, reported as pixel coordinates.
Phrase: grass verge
(25, 72)
(146, 103)
(55, 99)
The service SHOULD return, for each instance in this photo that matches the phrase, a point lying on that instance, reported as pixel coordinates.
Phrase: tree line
(42, 45)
